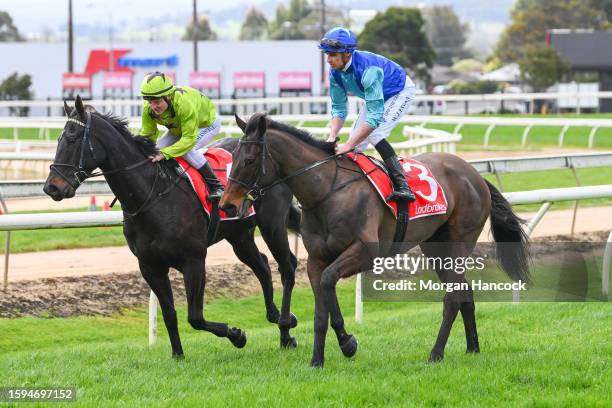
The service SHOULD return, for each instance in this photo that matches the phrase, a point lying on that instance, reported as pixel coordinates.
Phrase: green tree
(8, 31)
(204, 32)
(467, 66)
(531, 19)
(399, 34)
(542, 67)
(302, 20)
(17, 87)
(446, 33)
(255, 26)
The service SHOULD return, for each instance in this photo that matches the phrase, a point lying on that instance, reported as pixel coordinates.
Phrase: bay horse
(343, 219)
(164, 222)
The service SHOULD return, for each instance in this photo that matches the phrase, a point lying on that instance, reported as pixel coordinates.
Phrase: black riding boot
(401, 190)
(215, 188)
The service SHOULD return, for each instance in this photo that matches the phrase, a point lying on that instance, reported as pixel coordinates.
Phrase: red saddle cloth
(221, 162)
(430, 198)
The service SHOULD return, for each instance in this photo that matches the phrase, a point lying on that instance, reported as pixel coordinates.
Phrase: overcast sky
(32, 15)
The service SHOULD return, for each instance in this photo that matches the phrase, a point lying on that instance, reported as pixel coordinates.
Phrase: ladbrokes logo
(429, 208)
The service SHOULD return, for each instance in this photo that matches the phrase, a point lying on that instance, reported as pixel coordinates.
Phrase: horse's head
(77, 155)
(252, 168)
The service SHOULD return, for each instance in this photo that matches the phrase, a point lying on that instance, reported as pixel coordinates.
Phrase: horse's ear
(241, 123)
(67, 108)
(78, 104)
(262, 125)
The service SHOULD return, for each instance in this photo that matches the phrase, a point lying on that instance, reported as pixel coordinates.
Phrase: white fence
(491, 122)
(528, 124)
(496, 97)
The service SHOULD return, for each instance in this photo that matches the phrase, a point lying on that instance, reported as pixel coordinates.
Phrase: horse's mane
(144, 144)
(303, 135)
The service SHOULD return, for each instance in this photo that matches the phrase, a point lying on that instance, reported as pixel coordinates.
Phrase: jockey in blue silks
(386, 90)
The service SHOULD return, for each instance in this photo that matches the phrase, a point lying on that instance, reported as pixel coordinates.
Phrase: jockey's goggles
(326, 42)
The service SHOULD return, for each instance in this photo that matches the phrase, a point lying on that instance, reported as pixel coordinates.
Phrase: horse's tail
(295, 217)
(512, 248)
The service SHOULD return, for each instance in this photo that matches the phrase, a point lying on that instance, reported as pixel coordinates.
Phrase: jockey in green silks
(191, 120)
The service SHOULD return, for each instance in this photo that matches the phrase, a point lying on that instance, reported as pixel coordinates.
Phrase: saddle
(221, 162)
(430, 197)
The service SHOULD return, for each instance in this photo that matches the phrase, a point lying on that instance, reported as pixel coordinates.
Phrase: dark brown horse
(164, 223)
(343, 218)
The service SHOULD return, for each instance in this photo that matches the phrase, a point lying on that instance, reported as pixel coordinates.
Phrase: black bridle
(254, 190)
(81, 174)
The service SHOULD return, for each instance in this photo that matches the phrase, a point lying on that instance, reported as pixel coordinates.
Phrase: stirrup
(402, 195)
(214, 194)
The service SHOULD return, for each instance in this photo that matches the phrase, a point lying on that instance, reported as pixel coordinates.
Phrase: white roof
(507, 73)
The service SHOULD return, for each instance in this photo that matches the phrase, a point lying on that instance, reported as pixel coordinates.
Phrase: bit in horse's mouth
(244, 208)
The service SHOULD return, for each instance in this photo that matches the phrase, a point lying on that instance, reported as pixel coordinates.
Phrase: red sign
(100, 60)
(205, 80)
(76, 81)
(249, 80)
(117, 80)
(295, 80)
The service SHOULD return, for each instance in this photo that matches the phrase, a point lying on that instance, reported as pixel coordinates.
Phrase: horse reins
(80, 171)
(254, 191)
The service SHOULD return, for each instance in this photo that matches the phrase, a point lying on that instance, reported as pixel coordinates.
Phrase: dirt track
(110, 293)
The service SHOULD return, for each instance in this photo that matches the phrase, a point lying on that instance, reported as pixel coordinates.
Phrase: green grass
(69, 238)
(540, 136)
(28, 133)
(535, 180)
(533, 354)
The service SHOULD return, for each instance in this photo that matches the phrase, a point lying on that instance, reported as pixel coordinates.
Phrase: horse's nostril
(50, 189)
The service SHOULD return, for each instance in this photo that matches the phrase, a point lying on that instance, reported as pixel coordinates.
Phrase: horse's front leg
(157, 278)
(277, 241)
(314, 268)
(194, 274)
(354, 259)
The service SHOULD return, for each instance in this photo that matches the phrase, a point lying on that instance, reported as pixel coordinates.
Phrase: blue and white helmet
(338, 39)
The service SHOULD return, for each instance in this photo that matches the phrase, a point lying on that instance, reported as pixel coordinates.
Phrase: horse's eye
(249, 161)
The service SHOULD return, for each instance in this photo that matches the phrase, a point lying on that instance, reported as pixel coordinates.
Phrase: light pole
(111, 60)
(194, 35)
(322, 54)
(70, 39)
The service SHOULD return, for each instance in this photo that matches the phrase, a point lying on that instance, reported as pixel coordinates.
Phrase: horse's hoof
(473, 350)
(316, 363)
(349, 347)
(291, 342)
(294, 321)
(178, 357)
(435, 357)
(238, 337)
